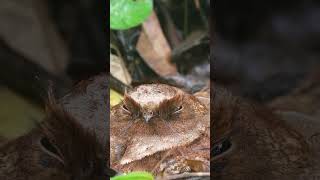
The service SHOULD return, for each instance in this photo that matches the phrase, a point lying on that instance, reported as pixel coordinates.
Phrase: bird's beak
(147, 117)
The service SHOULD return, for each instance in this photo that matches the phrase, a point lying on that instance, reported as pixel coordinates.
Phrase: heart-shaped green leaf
(125, 14)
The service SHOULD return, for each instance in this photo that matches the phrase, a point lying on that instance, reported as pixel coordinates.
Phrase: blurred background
(41, 43)
(264, 49)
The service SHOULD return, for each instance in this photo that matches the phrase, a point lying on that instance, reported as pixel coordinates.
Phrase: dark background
(263, 49)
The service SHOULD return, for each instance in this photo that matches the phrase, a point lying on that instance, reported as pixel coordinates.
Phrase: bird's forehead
(151, 95)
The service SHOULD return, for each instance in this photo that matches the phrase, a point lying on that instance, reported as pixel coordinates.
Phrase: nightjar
(154, 119)
(251, 142)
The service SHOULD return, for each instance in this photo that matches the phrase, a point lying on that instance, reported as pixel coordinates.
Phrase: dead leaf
(27, 28)
(118, 68)
(154, 48)
(197, 4)
(196, 165)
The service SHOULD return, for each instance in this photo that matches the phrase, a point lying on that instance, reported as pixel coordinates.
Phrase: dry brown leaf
(197, 3)
(197, 165)
(27, 28)
(118, 68)
(154, 48)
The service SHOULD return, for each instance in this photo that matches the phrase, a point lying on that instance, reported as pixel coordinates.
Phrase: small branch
(188, 175)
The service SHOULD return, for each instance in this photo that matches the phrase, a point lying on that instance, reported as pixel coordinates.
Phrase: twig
(187, 175)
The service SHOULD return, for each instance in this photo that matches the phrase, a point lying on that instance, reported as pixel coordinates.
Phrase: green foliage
(134, 176)
(115, 98)
(125, 14)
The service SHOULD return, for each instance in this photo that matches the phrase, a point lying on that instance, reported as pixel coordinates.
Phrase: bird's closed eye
(125, 108)
(221, 147)
(178, 109)
(50, 149)
(131, 112)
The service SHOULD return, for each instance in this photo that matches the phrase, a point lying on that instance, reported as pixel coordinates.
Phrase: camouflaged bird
(251, 142)
(156, 121)
(70, 143)
(301, 110)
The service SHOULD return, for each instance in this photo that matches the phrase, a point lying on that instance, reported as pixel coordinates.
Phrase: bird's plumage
(178, 119)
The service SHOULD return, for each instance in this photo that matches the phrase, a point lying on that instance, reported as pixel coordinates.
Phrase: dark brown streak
(167, 106)
(132, 106)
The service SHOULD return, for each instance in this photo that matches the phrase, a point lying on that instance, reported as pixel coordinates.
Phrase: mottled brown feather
(133, 107)
(168, 106)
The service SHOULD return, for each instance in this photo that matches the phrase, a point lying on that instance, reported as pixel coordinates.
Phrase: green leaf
(115, 98)
(125, 14)
(134, 176)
